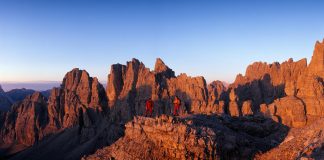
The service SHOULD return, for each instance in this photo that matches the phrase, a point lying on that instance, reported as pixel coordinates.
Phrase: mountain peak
(317, 63)
(160, 67)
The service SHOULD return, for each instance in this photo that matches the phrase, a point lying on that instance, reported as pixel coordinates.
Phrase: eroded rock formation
(194, 137)
(130, 85)
(292, 90)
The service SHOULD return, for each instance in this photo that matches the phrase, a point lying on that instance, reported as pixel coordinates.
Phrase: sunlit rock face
(316, 65)
(310, 85)
(35, 117)
(78, 91)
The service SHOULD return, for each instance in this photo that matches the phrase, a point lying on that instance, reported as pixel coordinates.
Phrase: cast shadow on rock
(240, 137)
(259, 91)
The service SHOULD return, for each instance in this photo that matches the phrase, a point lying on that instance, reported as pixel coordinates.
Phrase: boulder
(291, 111)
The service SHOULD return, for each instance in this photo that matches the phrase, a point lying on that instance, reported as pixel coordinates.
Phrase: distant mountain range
(7, 99)
(37, 86)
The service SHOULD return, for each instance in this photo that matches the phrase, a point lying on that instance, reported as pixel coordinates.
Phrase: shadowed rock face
(5, 102)
(1, 90)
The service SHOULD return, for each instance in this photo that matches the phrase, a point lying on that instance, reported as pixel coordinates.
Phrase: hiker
(176, 104)
(149, 107)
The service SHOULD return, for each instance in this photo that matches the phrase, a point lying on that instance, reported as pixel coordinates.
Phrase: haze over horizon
(42, 40)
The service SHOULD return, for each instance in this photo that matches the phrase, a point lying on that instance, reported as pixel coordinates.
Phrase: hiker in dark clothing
(176, 104)
(149, 107)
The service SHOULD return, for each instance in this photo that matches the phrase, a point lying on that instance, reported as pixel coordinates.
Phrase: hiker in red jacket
(176, 104)
(149, 107)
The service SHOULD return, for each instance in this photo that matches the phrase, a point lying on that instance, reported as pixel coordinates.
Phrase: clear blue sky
(42, 40)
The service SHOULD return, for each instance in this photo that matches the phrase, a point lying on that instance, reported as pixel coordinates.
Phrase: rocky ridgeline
(290, 93)
(194, 137)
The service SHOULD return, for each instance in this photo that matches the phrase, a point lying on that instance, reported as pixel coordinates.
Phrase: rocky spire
(316, 65)
(115, 81)
(160, 67)
(85, 87)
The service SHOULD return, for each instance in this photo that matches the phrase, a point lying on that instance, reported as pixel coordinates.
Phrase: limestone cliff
(130, 85)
